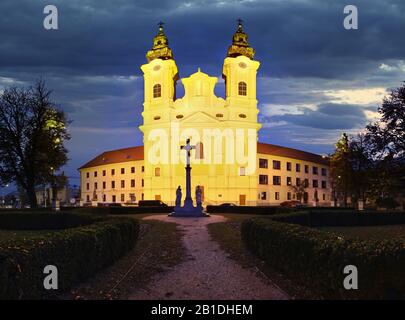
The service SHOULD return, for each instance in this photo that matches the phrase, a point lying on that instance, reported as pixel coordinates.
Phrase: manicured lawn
(390, 232)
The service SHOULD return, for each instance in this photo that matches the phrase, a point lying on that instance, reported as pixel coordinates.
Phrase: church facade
(228, 162)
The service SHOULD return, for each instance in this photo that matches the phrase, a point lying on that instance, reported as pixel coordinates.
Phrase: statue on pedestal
(178, 196)
(198, 195)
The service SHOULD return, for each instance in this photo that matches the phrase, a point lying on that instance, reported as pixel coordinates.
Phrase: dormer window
(157, 91)
(242, 88)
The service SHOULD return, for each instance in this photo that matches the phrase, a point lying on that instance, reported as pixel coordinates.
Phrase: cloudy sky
(316, 79)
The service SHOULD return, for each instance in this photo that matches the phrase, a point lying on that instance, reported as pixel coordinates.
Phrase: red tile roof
(116, 156)
(136, 153)
(274, 150)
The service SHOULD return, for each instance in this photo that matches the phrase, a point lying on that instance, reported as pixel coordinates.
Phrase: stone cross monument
(187, 210)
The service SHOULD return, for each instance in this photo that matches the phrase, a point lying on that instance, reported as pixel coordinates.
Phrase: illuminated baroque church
(228, 162)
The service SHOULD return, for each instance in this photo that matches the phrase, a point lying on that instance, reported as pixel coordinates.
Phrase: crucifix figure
(188, 202)
(188, 148)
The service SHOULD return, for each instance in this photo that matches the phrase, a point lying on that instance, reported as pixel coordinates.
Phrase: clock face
(156, 68)
(242, 65)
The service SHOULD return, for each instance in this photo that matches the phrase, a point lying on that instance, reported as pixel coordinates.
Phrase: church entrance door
(242, 199)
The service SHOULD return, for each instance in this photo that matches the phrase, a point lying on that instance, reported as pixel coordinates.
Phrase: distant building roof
(136, 153)
(280, 151)
(116, 156)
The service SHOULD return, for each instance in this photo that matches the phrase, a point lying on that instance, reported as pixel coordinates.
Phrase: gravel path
(207, 273)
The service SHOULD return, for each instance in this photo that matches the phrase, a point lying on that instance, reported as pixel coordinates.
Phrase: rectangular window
(142, 184)
(157, 172)
(104, 184)
(288, 166)
(87, 174)
(112, 172)
(323, 197)
(277, 195)
(95, 174)
(132, 197)
(314, 170)
(306, 183)
(132, 169)
(122, 197)
(276, 180)
(122, 170)
(95, 185)
(297, 182)
(143, 169)
(314, 183)
(104, 173)
(306, 168)
(324, 171)
(276, 165)
(104, 198)
(263, 163)
(112, 184)
(132, 183)
(88, 186)
(323, 184)
(263, 179)
(114, 198)
(242, 171)
(88, 198)
(289, 181)
(122, 183)
(288, 195)
(297, 167)
(263, 196)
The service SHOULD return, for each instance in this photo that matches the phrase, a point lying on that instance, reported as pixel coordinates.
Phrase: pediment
(199, 117)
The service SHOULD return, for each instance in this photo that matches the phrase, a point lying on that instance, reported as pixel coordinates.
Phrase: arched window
(157, 91)
(242, 88)
(199, 150)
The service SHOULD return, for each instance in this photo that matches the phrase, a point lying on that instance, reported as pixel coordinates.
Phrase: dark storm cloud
(301, 38)
(327, 116)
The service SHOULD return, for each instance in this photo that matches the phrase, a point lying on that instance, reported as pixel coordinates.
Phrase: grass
(378, 233)
(158, 249)
(228, 236)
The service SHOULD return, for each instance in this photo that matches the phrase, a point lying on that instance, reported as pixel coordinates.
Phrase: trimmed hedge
(317, 259)
(121, 210)
(78, 253)
(264, 210)
(326, 218)
(42, 221)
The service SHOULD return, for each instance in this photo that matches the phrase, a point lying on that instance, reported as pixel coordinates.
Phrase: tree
(339, 164)
(360, 167)
(351, 167)
(299, 190)
(32, 136)
(387, 139)
(388, 134)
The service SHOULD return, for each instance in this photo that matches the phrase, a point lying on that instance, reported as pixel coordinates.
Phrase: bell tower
(239, 71)
(160, 76)
(160, 73)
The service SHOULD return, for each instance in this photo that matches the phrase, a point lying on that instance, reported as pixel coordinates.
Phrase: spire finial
(160, 49)
(240, 45)
(240, 24)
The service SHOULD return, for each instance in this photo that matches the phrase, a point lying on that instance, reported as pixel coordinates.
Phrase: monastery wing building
(228, 162)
